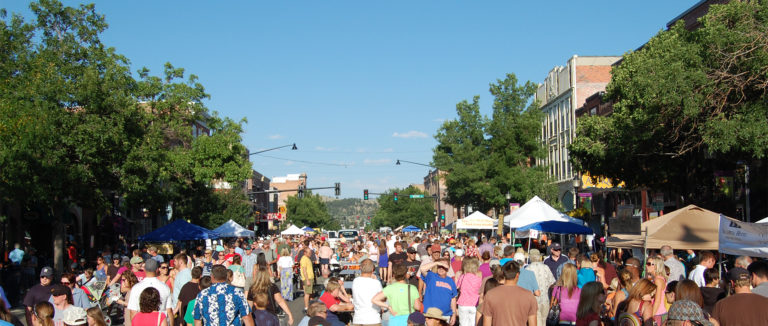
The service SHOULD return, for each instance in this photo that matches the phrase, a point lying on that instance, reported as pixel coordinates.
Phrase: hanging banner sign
(743, 238)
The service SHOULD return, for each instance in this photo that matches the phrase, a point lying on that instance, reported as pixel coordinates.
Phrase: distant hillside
(347, 210)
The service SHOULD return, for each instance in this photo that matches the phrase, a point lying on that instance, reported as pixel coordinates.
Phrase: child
(204, 283)
(262, 317)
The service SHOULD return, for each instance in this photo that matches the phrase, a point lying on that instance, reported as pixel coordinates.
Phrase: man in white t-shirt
(166, 304)
(391, 243)
(706, 260)
(364, 288)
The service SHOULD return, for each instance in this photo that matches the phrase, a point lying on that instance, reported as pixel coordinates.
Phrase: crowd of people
(404, 279)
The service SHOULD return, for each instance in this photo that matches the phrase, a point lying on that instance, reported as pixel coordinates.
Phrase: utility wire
(300, 161)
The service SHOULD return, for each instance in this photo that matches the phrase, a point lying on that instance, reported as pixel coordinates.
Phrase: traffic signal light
(337, 190)
(395, 196)
(442, 215)
(301, 192)
(365, 194)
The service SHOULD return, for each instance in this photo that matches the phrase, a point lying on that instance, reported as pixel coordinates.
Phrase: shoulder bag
(553, 317)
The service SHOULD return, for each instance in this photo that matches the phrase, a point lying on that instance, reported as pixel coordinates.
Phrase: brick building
(287, 185)
(430, 186)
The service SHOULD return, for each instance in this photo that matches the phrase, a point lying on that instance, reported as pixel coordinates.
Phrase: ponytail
(43, 311)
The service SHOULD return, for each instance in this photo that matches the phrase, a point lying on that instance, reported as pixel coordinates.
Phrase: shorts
(308, 289)
(325, 261)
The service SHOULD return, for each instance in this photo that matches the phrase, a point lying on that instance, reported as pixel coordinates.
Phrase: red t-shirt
(329, 299)
(140, 275)
(229, 260)
(148, 319)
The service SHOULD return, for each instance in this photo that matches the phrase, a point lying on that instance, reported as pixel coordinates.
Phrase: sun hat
(136, 260)
(687, 310)
(75, 315)
(435, 313)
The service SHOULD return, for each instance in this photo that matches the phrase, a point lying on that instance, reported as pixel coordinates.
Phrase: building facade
(431, 188)
(564, 89)
(287, 187)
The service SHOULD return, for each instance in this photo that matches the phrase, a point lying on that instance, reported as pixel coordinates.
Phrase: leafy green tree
(308, 211)
(405, 211)
(687, 104)
(486, 158)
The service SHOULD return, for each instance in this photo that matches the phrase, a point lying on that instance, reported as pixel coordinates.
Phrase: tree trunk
(58, 242)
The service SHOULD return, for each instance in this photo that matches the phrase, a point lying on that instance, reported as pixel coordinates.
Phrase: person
(150, 281)
(488, 285)
(238, 273)
(112, 270)
(95, 317)
(684, 313)
(152, 251)
(456, 262)
(127, 281)
(440, 289)
(676, 268)
(555, 259)
(164, 275)
(207, 262)
(434, 316)
(79, 297)
(711, 292)
(188, 292)
(573, 257)
(544, 280)
(497, 307)
(285, 268)
(413, 267)
(335, 301)
(485, 267)
(586, 274)
(189, 320)
(149, 314)
(249, 262)
(263, 284)
(40, 292)
(75, 316)
(759, 273)
(384, 262)
(624, 282)
(469, 281)
(221, 304)
(270, 254)
(706, 260)
(262, 317)
(400, 298)
(566, 292)
(316, 309)
(655, 270)
(633, 266)
(591, 300)
(183, 276)
(743, 307)
(364, 288)
(669, 293)
(136, 265)
(600, 275)
(325, 253)
(17, 255)
(397, 257)
(638, 305)
(61, 298)
(688, 290)
(42, 314)
(101, 268)
(416, 318)
(527, 279)
(307, 275)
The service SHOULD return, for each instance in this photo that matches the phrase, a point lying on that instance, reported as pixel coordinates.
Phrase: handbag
(553, 316)
(238, 279)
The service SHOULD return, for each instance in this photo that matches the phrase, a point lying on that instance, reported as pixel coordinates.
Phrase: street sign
(416, 196)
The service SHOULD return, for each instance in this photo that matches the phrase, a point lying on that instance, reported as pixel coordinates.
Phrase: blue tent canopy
(411, 228)
(179, 230)
(308, 229)
(557, 227)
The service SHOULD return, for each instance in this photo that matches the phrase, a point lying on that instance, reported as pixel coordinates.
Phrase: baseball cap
(317, 320)
(417, 317)
(136, 260)
(125, 260)
(687, 310)
(555, 246)
(59, 289)
(151, 265)
(75, 315)
(115, 256)
(411, 250)
(435, 247)
(46, 272)
(738, 273)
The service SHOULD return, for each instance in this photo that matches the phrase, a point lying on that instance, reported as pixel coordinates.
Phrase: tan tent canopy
(690, 227)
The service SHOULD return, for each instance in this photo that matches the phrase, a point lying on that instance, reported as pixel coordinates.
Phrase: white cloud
(275, 136)
(410, 134)
(382, 161)
(324, 149)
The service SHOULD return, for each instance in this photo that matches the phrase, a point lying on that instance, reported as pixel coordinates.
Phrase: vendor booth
(411, 228)
(536, 210)
(179, 230)
(292, 230)
(230, 229)
(690, 227)
(475, 221)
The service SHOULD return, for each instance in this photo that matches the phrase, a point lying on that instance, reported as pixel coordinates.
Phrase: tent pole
(645, 250)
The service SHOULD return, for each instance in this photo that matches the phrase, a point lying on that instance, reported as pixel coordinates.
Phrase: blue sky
(358, 84)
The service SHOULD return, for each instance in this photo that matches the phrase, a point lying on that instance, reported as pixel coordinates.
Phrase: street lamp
(437, 173)
(576, 186)
(293, 147)
(746, 190)
(509, 197)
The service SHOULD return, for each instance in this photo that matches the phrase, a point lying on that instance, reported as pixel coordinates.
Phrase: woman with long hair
(285, 268)
(591, 303)
(262, 284)
(622, 290)
(149, 304)
(567, 293)
(164, 275)
(95, 317)
(689, 290)
(127, 281)
(383, 262)
(468, 283)
(655, 272)
(639, 304)
(42, 314)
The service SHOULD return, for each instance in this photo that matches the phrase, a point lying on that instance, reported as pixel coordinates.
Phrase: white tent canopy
(765, 220)
(292, 230)
(536, 210)
(475, 221)
(230, 229)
